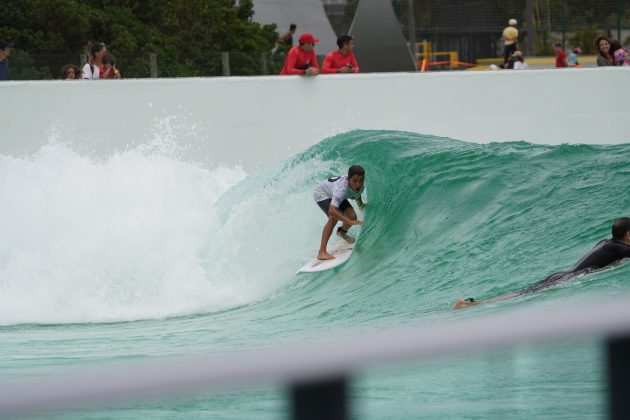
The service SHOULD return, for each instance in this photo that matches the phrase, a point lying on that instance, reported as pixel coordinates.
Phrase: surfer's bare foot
(344, 235)
(325, 256)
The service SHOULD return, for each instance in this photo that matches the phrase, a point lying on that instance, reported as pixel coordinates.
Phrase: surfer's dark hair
(356, 170)
(620, 227)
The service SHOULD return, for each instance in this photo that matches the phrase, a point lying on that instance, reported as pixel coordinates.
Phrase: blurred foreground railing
(317, 372)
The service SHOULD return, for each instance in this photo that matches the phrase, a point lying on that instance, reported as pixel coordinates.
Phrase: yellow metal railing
(426, 58)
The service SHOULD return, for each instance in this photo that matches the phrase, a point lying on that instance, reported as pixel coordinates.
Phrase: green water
(445, 219)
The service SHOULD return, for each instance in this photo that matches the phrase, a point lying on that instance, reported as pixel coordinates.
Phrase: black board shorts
(325, 205)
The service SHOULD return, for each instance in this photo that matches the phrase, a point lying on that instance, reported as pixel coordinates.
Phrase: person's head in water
(621, 229)
(356, 177)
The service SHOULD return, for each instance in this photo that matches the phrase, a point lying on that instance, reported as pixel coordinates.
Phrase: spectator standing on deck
(5, 50)
(604, 52)
(71, 72)
(111, 72)
(561, 57)
(93, 68)
(301, 59)
(341, 60)
(620, 54)
(572, 60)
(287, 38)
(510, 40)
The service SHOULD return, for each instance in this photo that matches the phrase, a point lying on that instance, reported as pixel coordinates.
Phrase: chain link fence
(25, 66)
(473, 27)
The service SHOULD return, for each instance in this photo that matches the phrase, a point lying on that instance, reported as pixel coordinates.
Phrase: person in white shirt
(331, 195)
(519, 63)
(92, 69)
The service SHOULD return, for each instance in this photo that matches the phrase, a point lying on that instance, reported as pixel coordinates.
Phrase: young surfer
(331, 195)
(605, 253)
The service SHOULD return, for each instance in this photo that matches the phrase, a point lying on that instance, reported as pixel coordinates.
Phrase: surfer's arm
(463, 303)
(340, 216)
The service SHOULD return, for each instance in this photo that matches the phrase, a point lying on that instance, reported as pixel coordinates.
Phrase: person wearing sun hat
(510, 40)
(301, 59)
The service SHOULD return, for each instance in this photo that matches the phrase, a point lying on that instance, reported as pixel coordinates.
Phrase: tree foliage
(186, 35)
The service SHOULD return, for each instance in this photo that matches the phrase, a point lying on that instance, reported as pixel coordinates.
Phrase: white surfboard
(341, 250)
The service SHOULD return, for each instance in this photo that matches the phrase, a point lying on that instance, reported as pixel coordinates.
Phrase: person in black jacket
(605, 253)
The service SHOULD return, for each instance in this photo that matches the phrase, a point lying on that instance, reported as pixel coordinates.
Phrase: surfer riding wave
(331, 195)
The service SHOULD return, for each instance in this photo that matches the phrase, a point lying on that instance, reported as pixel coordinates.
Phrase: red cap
(304, 38)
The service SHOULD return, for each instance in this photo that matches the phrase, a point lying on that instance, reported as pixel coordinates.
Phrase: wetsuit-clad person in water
(604, 254)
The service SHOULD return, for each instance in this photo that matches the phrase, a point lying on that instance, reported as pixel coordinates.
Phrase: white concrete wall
(260, 120)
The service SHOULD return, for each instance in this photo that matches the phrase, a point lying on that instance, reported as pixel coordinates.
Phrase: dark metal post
(153, 69)
(225, 63)
(619, 20)
(529, 27)
(263, 63)
(326, 399)
(618, 352)
(411, 16)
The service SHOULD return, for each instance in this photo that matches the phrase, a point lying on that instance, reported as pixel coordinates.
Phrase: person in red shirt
(561, 57)
(111, 72)
(301, 59)
(342, 60)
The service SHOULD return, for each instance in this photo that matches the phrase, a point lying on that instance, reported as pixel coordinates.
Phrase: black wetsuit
(605, 253)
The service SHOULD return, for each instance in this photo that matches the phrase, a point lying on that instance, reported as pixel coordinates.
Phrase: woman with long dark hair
(94, 66)
(604, 51)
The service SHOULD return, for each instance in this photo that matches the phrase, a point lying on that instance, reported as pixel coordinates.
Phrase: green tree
(186, 35)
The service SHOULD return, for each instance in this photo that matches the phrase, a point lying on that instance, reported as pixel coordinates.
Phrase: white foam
(87, 240)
